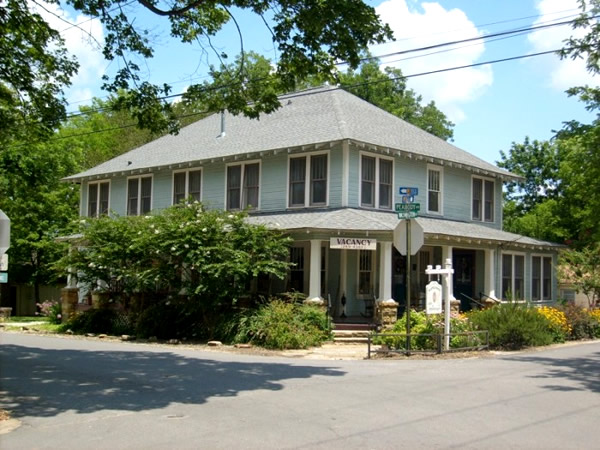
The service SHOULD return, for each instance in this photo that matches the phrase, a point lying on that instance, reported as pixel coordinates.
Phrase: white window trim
(439, 169)
(260, 181)
(541, 255)
(187, 182)
(307, 203)
(512, 276)
(87, 203)
(483, 179)
(139, 200)
(376, 199)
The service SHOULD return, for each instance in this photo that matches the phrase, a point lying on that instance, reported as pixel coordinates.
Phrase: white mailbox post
(447, 272)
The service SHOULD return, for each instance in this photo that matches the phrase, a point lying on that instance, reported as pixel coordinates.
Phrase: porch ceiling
(355, 220)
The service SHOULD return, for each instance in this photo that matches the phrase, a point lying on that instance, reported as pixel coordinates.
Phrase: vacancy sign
(350, 243)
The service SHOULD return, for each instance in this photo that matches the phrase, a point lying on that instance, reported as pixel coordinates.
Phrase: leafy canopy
(310, 37)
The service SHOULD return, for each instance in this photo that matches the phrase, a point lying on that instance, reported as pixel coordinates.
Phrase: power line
(502, 34)
(302, 94)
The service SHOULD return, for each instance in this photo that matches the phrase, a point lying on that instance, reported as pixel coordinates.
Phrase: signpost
(447, 271)
(408, 210)
(4, 245)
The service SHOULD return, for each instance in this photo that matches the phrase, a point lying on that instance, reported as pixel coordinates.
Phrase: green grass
(26, 319)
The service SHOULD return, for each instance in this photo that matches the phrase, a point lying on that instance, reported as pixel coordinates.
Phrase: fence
(402, 343)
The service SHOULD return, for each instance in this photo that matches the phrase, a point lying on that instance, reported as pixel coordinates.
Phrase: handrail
(472, 300)
(481, 294)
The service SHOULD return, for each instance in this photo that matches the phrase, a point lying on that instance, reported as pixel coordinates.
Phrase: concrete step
(350, 340)
(350, 336)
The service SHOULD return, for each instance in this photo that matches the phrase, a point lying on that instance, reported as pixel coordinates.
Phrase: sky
(492, 105)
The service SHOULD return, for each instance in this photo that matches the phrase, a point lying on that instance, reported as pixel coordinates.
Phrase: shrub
(171, 319)
(558, 324)
(513, 326)
(280, 325)
(50, 309)
(582, 324)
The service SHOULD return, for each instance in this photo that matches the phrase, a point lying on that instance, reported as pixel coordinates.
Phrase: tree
(310, 36)
(581, 268)
(40, 207)
(387, 89)
(34, 69)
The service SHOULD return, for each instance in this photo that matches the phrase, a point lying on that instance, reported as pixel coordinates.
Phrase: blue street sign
(409, 191)
(408, 199)
(3, 277)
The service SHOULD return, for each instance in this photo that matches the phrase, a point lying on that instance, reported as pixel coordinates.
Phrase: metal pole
(408, 270)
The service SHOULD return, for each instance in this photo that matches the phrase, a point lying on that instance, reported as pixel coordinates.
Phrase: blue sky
(492, 105)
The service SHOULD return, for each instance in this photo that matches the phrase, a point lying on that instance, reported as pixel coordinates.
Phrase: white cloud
(428, 24)
(84, 41)
(562, 74)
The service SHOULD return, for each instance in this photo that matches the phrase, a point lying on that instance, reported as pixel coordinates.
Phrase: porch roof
(373, 221)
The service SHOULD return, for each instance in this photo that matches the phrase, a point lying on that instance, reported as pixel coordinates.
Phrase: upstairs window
(483, 199)
(98, 197)
(541, 278)
(376, 182)
(243, 186)
(187, 184)
(315, 190)
(434, 190)
(139, 195)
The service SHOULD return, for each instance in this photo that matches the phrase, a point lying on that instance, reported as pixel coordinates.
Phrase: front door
(463, 262)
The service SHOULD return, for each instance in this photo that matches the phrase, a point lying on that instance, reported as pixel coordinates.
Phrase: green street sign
(407, 215)
(3, 277)
(408, 207)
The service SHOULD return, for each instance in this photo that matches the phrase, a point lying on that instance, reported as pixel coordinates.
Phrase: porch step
(350, 335)
(343, 326)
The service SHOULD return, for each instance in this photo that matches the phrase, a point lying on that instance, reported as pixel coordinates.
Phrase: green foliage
(280, 325)
(170, 319)
(513, 326)
(52, 310)
(582, 324)
(388, 91)
(210, 256)
(34, 68)
(98, 321)
(581, 268)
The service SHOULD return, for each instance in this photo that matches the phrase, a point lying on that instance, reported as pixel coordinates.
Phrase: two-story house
(326, 168)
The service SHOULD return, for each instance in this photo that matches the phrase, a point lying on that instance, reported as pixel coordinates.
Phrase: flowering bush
(582, 324)
(559, 326)
(50, 309)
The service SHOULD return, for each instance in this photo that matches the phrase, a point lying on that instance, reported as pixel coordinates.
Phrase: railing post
(439, 343)
(369, 346)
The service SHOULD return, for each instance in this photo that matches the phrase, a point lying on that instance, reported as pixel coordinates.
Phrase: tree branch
(170, 12)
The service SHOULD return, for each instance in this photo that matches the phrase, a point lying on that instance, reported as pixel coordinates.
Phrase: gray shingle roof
(311, 117)
(349, 219)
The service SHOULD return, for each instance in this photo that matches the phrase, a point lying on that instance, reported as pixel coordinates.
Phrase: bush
(50, 309)
(93, 321)
(171, 319)
(513, 326)
(582, 324)
(280, 325)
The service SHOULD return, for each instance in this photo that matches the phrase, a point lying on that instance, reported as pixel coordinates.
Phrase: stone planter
(99, 299)
(69, 297)
(5, 313)
(386, 312)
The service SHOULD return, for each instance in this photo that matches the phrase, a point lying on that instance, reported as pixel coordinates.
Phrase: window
(187, 184)
(139, 195)
(365, 272)
(513, 275)
(242, 186)
(434, 190)
(316, 190)
(541, 277)
(98, 194)
(296, 281)
(483, 199)
(376, 186)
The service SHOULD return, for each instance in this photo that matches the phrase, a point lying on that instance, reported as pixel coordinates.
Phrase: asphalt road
(88, 394)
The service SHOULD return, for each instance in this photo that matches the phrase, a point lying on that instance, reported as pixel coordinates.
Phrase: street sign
(3, 277)
(408, 207)
(409, 191)
(417, 238)
(4, 232)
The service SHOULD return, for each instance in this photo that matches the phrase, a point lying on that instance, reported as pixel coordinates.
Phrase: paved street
(86, 394)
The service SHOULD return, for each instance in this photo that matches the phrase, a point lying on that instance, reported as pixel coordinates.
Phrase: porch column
(314, 287)
(447, 254)
(489, 281)
(385, 271)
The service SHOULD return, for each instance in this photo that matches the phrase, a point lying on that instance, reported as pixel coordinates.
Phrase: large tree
(310, 37)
